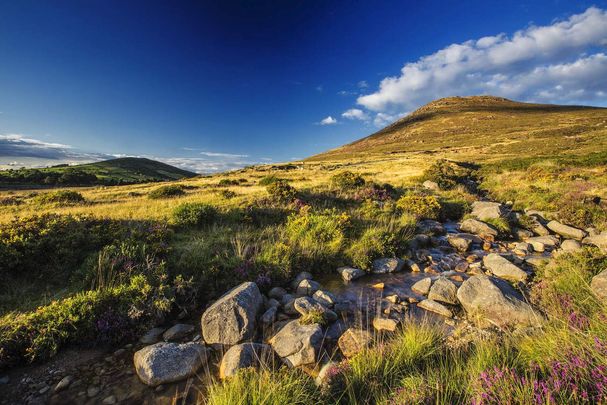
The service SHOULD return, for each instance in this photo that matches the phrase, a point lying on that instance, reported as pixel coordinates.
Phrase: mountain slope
(108, 172)
(486, 127)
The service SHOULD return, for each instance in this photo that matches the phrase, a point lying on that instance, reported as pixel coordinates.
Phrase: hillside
(128, 170)
(485, 127)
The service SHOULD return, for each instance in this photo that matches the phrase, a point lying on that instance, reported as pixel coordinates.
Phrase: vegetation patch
(420, 206)
(60, 197)
(347, 180)
(194, 214)
(168, 191)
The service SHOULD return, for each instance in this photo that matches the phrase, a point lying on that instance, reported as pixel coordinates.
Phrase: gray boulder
(152, 336)
(354, 340)
(436, 307)
(479, 228)
(503, 268)
(304, 275)
(277, 293)
(164, 363)
(298, 344)
(492, 301)
(387, 265)
(177, 332)
(305, 305)
(566, 230)
(443, 290)
(232, 318)
(307, 287)
(570, 245)
(462, 241)
(484, 210)
(350, 273)
(326, 298)
(599, 285)
(422, 287)
(431, 185)
(430, 227)
(246, 355)
(541, 243)
(599, 240)
(269, 317)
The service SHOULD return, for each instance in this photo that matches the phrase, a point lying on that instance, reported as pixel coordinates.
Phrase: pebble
(111, 400)
(64, 383)
(92, 391)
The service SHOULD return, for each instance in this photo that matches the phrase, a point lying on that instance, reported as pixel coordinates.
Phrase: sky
(215, 85)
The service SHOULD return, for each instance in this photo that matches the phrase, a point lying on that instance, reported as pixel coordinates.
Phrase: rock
(304, 275)
(232, 318)
(387, 265)
(536, 261)
(443, 290)
(335, 330)
(430, 227)
(177, 332)
(598, 285)
(152, 336)
(64, 383)
(433, 306)
(298, 344)
(462, 241)
(414, 267)
(353, 341)
(503, 268)
(566, 230)
(307, 287)
(286, 299)
(522, 248)
(269, 317)
(277, 293)
(92, 391)
(385, 324)
(350, 273)
(599, 241)
(163, 363)
(305, 305)
(484, 210)
(111, 400)
(492, 301)
(535, 223)
(272, 303)
(522, 234)
(246, 355)
(325, 298)
(540, 243)
(431, 185)
(477, 227)
(422, 287)
(570, 245)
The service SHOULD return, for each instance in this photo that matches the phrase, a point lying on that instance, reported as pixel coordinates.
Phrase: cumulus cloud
(226, 155)
(564, 62)
(328, 121)
(356, 114)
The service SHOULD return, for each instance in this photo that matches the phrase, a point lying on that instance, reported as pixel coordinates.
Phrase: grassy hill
(128, 170)
(485, 128)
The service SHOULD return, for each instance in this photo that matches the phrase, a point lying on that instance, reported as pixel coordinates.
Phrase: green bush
(228, 182)
(194, 214)
(66, 197)
(347, 180)
(267, 180)
(373, 244)
(168, 191)
(281, 191)
(421, 206)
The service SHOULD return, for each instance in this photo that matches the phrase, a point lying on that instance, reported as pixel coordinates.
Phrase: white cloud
(225, 155)
(356, 114)
(383, 119)
(363, 84)
(328, 121)
(563, 62)
(319, 88)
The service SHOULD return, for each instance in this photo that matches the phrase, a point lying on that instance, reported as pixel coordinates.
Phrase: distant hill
(109, 172)
(486, 127)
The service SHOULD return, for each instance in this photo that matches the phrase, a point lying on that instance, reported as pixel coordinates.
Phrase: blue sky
(211, 85)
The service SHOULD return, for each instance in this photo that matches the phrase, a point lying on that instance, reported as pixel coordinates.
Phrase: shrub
(281, 191)
(347, 180)
(374, 243)
(312, 317)
(194, 214)
(60, 197)
(267, 180)
(227, 194)
(168, 191)
(443, 173)
(501, 224)
(228, 182)
(375, 192)
(421, 206)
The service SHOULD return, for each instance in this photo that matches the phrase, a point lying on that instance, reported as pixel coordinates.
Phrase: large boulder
(178, 332)
(350, 273)
(540, 243)
(479, 228)
(484, 210)
(599, 241)
(298, 344)
(463, 241)
(430, 227)
(163, 363)
(246, 355)
(387, 265)
(443, 290)
(354, 340)
(232, 318)
(492, 301)
(599, 285)
(503, 268)
(422, 287)
(566, 230)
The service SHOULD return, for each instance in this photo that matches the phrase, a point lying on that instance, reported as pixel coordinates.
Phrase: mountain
(108, 172)
(485, 127)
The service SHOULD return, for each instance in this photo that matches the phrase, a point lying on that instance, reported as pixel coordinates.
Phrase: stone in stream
(298, 344)
(540, 243)
(387, 265)
(64, 383)
(304, 275)
(436, 307)
(354, 340)
(306, 305)
(246, 355)
(522, 248)
(152, 336)
(307, 287)
(422, 287)
(490, 301)
(484, 210)
(570, 245)
(566, 230)
(443, 290)
(350, 273)
(479, 228)
(535, 223)
(177, 332)
(277, 293)
(598, 285)
(232, 318)
(522, 234)
(462, 241)
(326, 298)
(430, 227)
(385, 324)
(414, 267)
(503, 268)
(163, 363)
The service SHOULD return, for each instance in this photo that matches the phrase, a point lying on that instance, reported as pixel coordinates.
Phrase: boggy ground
(248, 236)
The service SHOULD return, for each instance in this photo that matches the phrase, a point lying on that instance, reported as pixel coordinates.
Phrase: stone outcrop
(246, 355)
(354, 340)
(164, 363)
(479, 228)
(503, 268)
(298, 344)
(566, 230)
